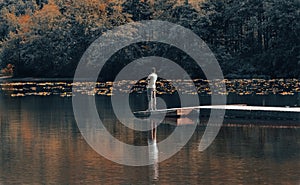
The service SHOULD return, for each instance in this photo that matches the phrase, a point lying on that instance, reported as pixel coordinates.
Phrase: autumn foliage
(8, 70)
(46, 38)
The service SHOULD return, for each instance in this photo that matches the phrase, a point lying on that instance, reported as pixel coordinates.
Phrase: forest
(250, 38)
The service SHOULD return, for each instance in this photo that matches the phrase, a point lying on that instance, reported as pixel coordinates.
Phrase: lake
(40, 143)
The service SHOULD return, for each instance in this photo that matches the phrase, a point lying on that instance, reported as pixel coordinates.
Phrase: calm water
(41, 144)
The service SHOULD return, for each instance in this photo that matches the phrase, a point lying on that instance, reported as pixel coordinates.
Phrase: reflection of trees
(259, 141)
(40, 142)
(233, 158)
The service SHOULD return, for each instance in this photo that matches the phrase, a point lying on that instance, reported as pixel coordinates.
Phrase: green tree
(138, 9)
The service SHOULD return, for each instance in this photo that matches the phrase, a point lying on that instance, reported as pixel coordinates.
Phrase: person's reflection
(153, 149)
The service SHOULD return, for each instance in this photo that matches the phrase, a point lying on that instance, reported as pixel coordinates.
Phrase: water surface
(41, 144)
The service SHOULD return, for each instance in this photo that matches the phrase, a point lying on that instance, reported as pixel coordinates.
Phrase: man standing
(151, 89)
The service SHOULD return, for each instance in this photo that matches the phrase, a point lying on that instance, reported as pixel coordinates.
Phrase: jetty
(232, 112)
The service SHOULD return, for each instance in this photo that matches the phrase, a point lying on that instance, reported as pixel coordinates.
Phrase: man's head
(153, 70)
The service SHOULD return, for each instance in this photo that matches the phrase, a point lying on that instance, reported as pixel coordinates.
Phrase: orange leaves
(102, 7)
(11, 18)
(24, 22)
(23, 19)
(9, 70)
(48, 18)
(118, 8)
(48, 11)
(31, 22)
(22, 25)
(19, 25)
(90, 13)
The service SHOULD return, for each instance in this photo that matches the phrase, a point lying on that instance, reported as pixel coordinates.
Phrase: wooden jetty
(232, 111)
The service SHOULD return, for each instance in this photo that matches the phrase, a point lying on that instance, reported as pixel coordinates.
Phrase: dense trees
(251, 38)
(259, 37)
(49, 40)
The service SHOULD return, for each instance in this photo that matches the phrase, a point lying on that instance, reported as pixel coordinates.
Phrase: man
(151, 88)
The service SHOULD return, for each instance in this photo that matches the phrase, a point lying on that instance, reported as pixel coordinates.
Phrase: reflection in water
(153, 149)
(181, 121)
(41, 144)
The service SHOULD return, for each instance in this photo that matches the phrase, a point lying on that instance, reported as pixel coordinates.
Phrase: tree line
(250, 38)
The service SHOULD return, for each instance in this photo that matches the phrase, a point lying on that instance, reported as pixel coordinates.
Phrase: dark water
(41, 144)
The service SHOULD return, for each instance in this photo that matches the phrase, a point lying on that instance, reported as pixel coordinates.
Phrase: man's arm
(148, 79)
